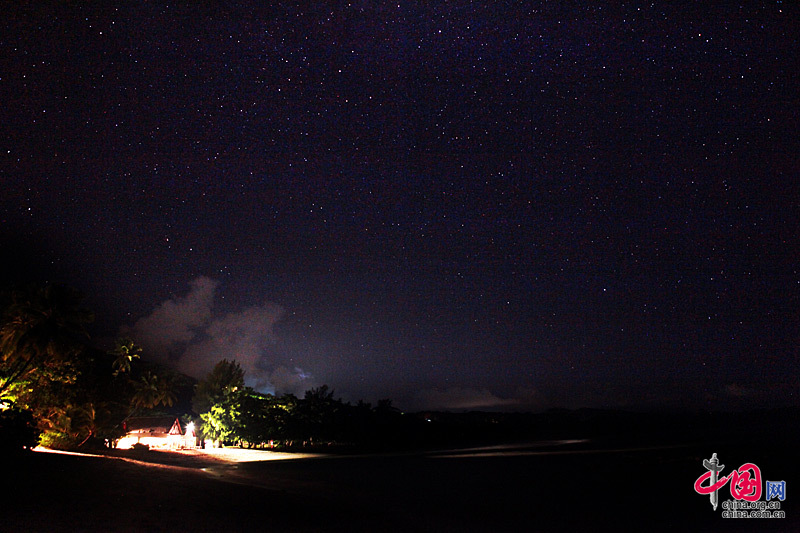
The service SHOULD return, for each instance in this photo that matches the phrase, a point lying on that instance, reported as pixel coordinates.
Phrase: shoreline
(478, 489)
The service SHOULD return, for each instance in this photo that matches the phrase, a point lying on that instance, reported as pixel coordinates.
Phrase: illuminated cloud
(187, 334)
(175, 322)
(294, 380)
(246, 336)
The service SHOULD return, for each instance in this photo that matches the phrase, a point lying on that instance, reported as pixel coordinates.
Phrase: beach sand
(575, 487)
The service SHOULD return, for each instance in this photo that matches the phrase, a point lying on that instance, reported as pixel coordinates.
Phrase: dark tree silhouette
(153, 390)
(227, 376)
(125, 352)
(41, 328)
(217, 399)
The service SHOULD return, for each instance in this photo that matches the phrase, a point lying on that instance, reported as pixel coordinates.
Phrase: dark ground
(593, 487)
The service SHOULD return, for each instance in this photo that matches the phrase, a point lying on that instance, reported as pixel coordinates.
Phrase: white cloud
(186, 333)
(175, 322)
(246, 336)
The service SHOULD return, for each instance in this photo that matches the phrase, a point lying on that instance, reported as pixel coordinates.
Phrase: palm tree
(41, 327)
(125, 351)
(83, 422)
(166, 390)
(152, 390)
(65, 425)
(147, 394)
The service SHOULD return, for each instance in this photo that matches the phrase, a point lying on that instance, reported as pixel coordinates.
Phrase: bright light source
(126, 443)
(189, 427)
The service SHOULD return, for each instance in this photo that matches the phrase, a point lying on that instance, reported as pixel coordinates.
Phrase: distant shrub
(57, 440)
(18, 431)
(139, 447)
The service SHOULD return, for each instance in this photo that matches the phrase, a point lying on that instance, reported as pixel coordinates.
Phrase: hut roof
(154, 424)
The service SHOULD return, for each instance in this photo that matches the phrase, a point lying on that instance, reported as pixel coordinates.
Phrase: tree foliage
(18, 430)
(57, 389)
(42, 330)
(125, 352)
(233, 413)
(43, 351)
(74, 395)
(226, 377)
(217, 400)
(153, 390)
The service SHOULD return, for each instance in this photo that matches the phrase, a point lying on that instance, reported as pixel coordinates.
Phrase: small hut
(161, 432)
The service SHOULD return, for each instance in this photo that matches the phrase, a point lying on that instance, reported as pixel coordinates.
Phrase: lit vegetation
(232, 413)
(58, 391)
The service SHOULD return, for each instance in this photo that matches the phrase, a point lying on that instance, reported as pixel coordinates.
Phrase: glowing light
(126, 443)
(190, 427)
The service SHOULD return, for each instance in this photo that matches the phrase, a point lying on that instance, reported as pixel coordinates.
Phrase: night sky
(457, 204)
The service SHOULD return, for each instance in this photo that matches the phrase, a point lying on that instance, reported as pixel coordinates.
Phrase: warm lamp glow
(125, 443)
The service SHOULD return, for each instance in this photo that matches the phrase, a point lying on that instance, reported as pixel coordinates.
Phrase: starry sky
(461, 205)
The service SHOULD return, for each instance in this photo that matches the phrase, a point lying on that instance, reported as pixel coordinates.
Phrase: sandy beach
(524, 488)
